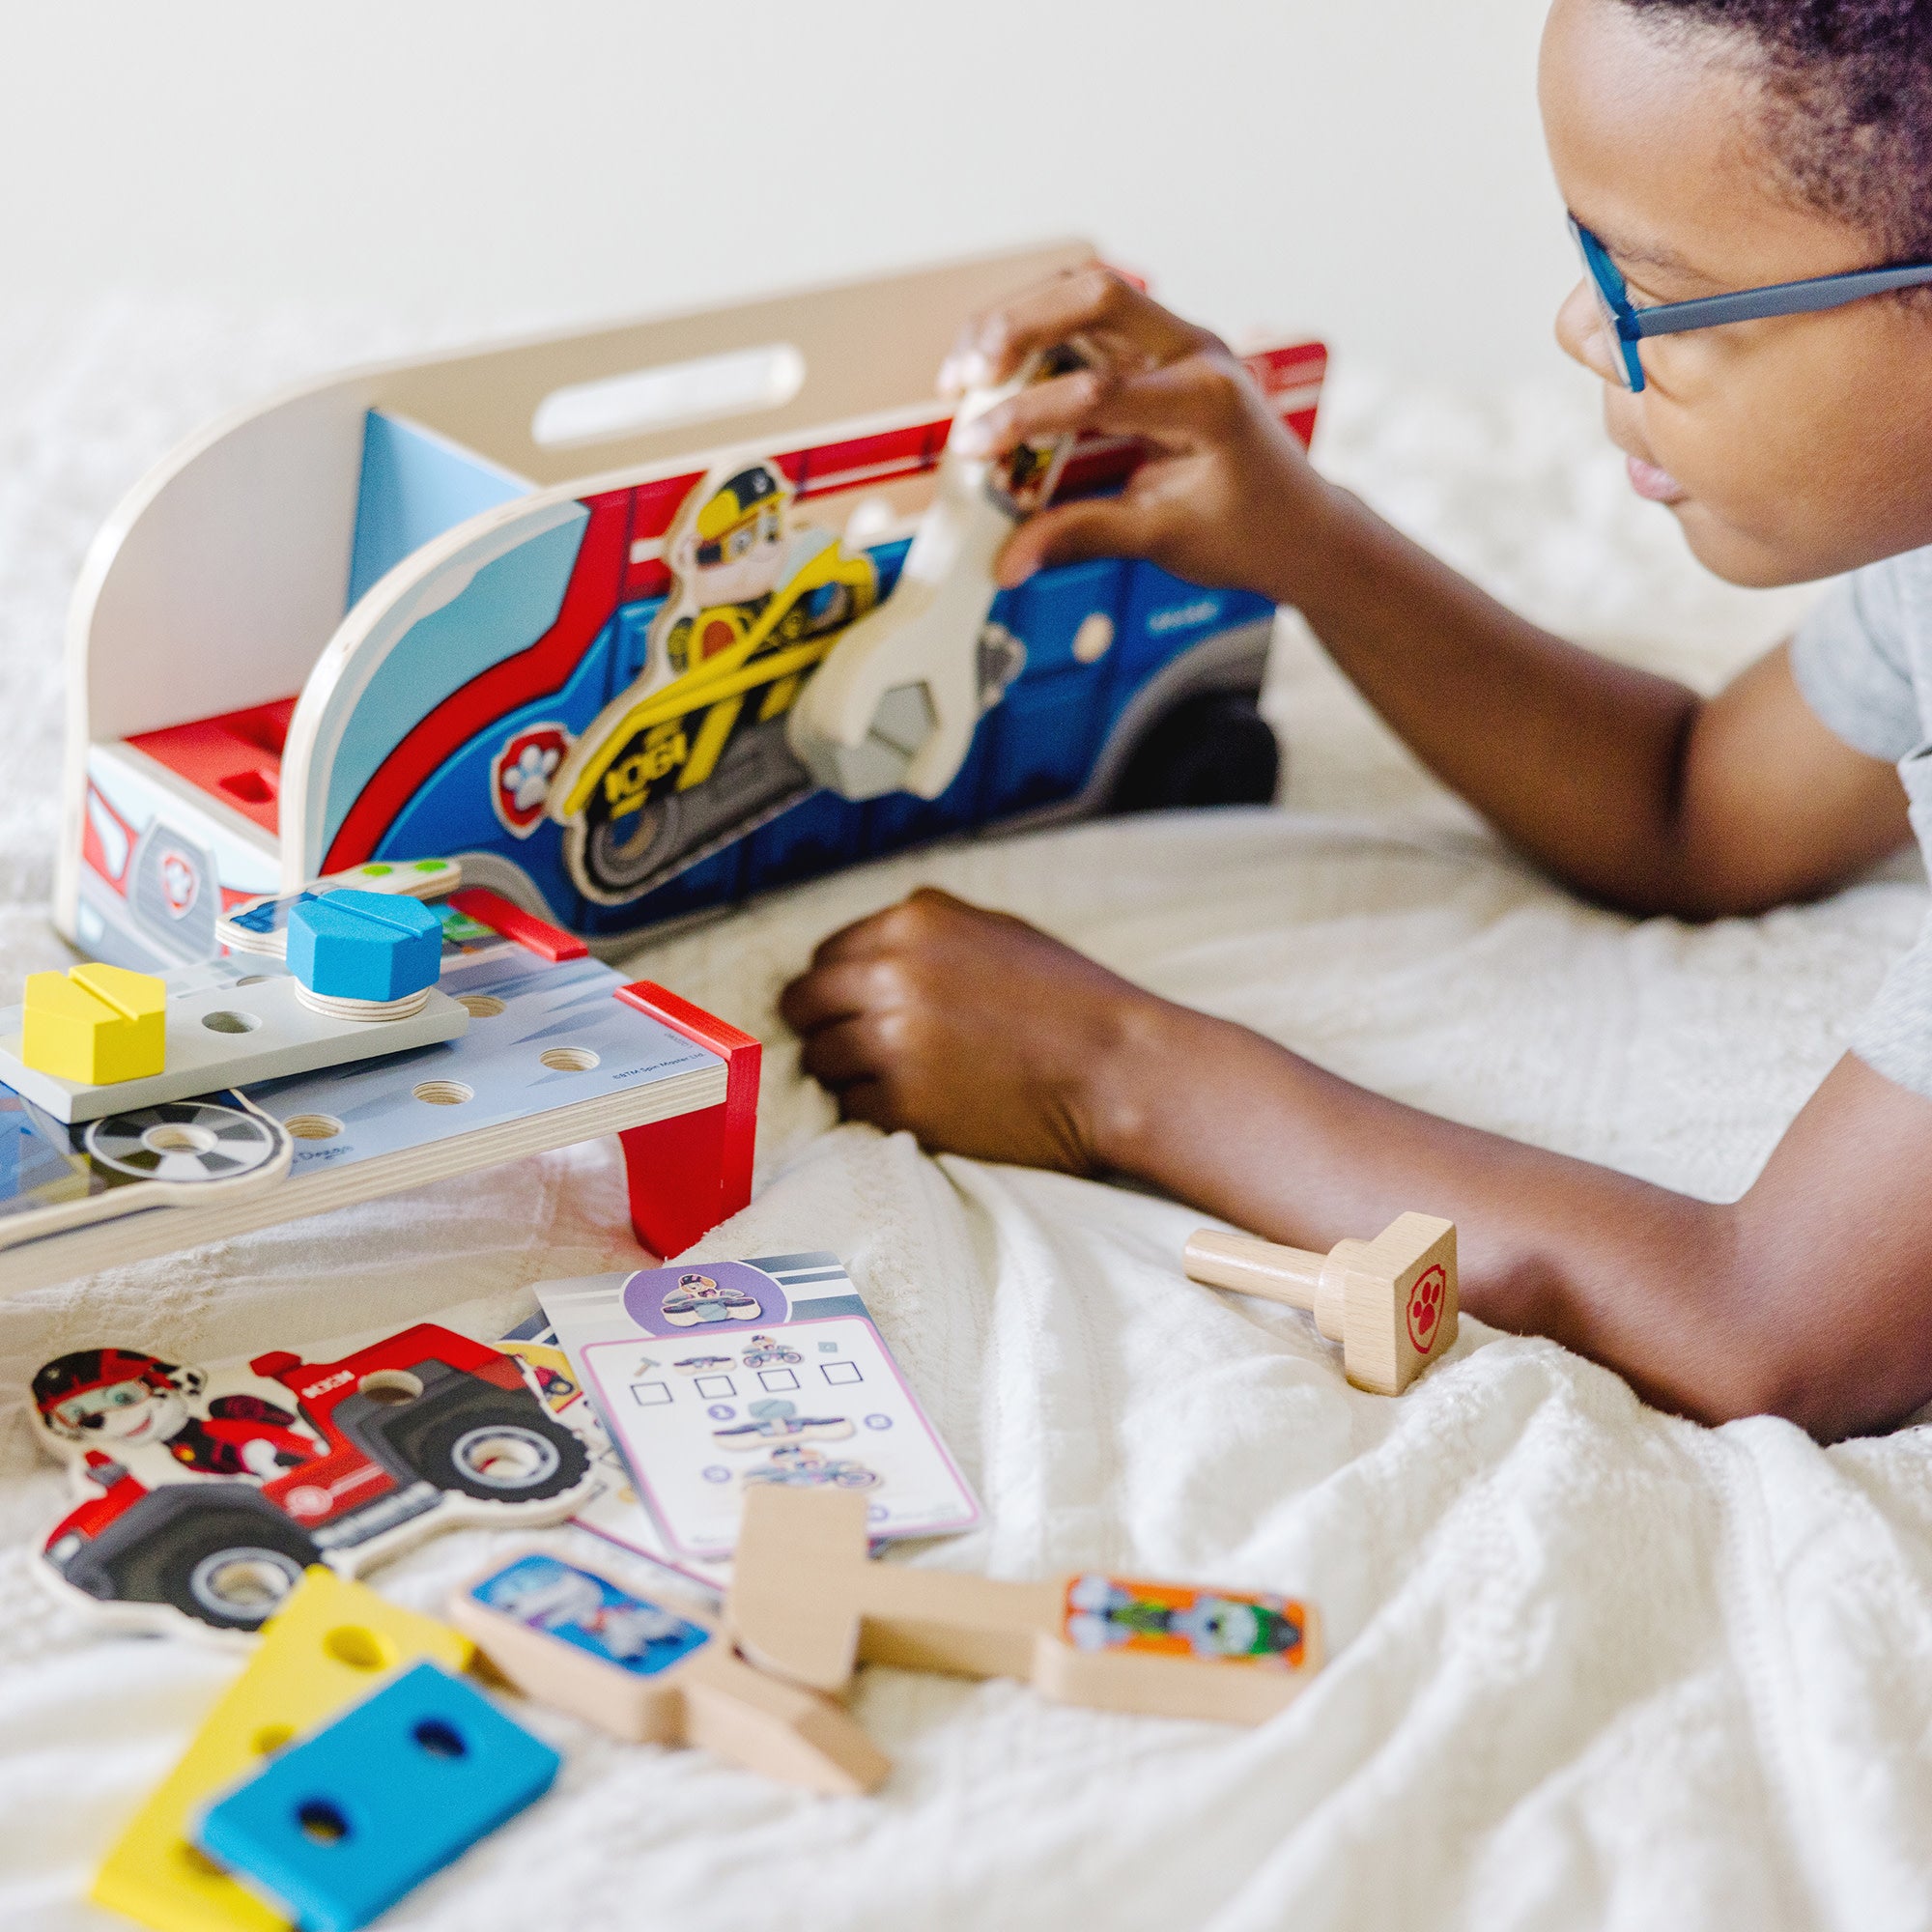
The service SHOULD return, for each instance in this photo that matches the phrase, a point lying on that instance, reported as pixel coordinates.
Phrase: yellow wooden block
(94, 1025)
(331, 1644)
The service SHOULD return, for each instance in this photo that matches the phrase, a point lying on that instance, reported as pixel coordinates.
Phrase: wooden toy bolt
(806, 1604)
(1390, 1302)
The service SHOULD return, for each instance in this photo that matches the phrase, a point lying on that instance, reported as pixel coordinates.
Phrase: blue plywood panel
(414, 486)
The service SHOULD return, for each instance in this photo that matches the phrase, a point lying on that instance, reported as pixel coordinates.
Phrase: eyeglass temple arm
(1784, 299)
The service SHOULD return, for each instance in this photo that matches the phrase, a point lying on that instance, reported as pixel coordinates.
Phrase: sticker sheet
(717, 1375)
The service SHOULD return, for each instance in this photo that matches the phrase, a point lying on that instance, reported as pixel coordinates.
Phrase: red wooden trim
(738, 1122)
(531, 933)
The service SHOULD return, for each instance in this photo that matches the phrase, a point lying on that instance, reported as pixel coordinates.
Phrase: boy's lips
(1654, 485)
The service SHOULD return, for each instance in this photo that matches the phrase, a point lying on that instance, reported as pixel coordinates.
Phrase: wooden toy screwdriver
(1390, 1302)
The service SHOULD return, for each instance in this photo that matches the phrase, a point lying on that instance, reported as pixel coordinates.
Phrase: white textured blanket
(1591, 1665)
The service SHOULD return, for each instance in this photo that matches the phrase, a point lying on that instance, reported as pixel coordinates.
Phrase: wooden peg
(1390, 1302)
(807, 1604)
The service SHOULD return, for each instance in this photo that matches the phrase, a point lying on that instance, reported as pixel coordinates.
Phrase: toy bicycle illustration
(778, 1421)
(694, 752)
(764, 1351)
(698, 1301)
(802, 1466)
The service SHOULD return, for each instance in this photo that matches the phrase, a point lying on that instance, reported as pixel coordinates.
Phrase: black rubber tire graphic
(182, 1565)
(1213, 749)
(622, 853)
(443, 1455)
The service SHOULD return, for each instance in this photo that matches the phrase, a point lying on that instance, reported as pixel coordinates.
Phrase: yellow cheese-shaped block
(94, 1025)
(331, 1645)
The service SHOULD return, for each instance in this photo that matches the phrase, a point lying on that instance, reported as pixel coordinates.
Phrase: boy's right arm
(1629, 786)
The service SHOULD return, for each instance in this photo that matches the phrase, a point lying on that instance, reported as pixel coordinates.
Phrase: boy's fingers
(839, 1056)
(832, 992)
(1129, 327)
(1101, 526)
(1200, 397)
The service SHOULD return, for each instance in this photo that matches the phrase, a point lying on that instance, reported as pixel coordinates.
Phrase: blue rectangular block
(341, 1826)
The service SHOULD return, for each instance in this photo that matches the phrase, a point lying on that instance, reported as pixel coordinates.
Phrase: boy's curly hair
(1848, 87)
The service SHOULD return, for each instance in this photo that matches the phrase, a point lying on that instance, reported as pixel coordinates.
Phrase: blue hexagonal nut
(365, 946)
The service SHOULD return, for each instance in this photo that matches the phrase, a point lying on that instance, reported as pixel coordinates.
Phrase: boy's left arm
(1811, 1297)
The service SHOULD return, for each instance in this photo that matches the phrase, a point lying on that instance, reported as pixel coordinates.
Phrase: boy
(1704, 148)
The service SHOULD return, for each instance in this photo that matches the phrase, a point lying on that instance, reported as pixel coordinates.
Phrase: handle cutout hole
(321, 1821)
(480, 1005)
(359, 1648)
(672, 396)
(230, 1022)
(440, 1740)
(313, 1126)
(568, 1058)
(391, 1387)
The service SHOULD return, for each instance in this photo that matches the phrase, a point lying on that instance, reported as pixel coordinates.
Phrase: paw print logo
(528, 780)
(521, 775)
(181, 884)
(1425, 1307)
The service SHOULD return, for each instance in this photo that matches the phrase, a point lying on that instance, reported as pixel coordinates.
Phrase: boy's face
(1790, 448)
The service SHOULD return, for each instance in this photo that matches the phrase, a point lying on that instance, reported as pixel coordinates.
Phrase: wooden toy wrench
(806, 1604)
(895, 705)
(1390, 1302)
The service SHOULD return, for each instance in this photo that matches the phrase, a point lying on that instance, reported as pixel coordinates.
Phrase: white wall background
(1370, 169)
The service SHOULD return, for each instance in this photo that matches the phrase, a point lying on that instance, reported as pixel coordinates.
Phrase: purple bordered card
(713, 1376)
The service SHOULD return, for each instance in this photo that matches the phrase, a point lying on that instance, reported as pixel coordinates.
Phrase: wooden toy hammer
(1390, 1302)
(806, 1605)
(573, 1636)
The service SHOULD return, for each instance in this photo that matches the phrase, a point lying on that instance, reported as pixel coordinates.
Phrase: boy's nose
(1579, 332)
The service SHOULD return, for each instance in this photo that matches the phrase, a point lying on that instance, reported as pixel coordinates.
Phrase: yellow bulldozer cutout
(694, 753)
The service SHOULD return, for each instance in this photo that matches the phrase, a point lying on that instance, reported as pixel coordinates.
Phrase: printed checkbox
(841, 1371)
(650, 1395)
(778, 1379)
(712, 1386)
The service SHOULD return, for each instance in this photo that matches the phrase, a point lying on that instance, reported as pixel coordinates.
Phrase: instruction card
(719, 1374)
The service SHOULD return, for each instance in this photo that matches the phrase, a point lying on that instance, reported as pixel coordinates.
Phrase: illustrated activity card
(613, 1512)
(718, 1374)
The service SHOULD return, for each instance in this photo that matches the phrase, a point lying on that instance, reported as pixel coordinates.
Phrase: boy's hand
(975, 1031)
(1226, 495)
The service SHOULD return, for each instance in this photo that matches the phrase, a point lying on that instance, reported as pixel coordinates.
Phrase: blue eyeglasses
(1626, 324)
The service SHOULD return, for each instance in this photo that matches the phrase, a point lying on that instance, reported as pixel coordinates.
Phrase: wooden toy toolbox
(367, 619)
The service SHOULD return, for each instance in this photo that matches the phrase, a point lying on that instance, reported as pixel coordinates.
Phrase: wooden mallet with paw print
(1390, 1302)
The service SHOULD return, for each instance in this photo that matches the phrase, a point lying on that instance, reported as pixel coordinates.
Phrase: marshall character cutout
(116, 1400)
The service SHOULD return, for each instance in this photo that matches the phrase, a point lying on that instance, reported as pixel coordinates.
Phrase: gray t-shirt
(1863, 660)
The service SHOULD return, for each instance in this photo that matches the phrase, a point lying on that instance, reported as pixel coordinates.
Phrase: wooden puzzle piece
(806, 1604)
(329, 1644)
(363, 949)
(349, 1820)
(94, 1025)
(208, 1496)
(571, 1636)
(56, 1177)
(1390, 1302)
(229, 1030)
(896, 703)
(261, 925)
